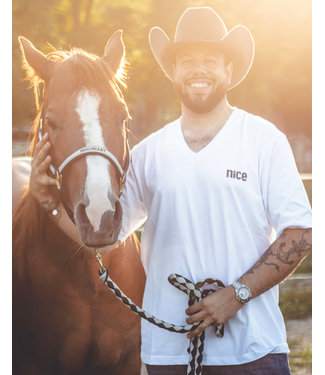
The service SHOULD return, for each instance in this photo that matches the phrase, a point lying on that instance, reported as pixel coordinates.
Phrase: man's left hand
(215, 309)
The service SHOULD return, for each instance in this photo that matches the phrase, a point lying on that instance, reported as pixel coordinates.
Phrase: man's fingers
(41, 143)
(198, 330)
(194, 318)
(194, 308)
(49, 181)
(45, 164)
(41, 151)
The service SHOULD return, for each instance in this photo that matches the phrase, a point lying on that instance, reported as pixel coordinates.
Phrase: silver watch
(243, 293)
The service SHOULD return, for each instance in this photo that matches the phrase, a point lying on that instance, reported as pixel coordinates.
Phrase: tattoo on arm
(282, 259)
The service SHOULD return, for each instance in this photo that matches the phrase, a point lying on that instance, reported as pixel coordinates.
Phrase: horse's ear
(42, 66)
(115, 51)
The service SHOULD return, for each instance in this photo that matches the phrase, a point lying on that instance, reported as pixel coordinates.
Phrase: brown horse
(65, 321)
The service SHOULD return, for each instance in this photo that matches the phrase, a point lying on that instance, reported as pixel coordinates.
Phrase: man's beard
(201, 105)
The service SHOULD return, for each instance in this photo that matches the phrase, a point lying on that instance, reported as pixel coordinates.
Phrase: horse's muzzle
(110, 226)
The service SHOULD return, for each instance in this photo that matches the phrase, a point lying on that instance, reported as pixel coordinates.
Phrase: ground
(299, 333)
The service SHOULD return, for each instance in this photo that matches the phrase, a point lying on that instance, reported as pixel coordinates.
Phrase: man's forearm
(279, 260)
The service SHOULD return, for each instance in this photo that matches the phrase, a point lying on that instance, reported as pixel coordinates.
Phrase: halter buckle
(122, 184)
(58, 180)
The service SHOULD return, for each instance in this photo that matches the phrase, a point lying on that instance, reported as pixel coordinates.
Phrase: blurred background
(277, 88)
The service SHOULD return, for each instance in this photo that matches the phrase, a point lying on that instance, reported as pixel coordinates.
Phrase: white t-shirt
(211, 214)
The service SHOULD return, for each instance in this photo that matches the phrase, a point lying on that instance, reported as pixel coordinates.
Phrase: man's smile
(198, 85)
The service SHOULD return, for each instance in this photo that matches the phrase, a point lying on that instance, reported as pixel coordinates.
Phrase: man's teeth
(199, 84)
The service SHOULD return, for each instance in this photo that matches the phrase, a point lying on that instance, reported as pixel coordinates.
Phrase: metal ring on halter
(58, 180)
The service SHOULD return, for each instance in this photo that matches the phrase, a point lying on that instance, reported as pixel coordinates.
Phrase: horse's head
(85, 115)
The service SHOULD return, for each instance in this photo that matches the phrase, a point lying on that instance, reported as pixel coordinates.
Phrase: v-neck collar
(217, 138)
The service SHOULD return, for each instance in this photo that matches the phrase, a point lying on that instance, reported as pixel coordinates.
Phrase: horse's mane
(29, 221)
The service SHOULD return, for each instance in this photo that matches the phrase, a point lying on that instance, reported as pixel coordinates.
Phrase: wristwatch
(243, 293)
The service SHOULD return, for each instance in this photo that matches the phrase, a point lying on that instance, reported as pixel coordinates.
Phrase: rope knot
(195, 293)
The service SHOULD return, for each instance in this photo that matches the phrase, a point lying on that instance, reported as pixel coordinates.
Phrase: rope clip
(99, 260)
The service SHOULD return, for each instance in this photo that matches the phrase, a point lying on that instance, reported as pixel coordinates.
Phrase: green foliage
(296, 304)
(278, 86)
(305, 266)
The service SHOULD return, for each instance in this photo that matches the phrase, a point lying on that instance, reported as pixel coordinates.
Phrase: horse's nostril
(111, 220)
(81, 213)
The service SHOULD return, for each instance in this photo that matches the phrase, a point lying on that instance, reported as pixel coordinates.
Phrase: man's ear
(173, 70)
(229, 71)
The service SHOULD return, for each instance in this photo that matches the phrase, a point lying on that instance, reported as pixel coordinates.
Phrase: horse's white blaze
(98, 181)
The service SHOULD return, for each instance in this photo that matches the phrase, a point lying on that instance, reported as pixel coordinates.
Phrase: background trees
(278, 86)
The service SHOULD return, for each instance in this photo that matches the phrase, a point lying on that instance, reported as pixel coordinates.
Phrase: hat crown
(200, 23)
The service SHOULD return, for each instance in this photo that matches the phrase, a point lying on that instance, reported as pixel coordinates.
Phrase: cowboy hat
(202, 25)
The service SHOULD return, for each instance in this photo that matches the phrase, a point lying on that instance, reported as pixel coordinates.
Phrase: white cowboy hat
(202, 25)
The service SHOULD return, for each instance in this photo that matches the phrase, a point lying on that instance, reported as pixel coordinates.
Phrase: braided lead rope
(195, 349)
(104, 277)
(196, 345)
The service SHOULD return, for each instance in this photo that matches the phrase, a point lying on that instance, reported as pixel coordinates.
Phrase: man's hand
(40, 182)
(214, 309)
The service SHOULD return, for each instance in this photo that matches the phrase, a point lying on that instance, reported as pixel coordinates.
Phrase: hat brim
(238, 46)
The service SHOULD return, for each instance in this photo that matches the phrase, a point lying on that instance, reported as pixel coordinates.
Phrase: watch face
(243, 293)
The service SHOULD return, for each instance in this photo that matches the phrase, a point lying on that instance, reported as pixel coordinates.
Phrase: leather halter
(82, 152)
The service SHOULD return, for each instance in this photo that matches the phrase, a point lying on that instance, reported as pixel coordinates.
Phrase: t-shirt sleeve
(134, 212)
(284, 196)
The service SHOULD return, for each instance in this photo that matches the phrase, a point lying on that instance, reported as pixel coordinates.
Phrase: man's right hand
(40, 187)
(40, 182)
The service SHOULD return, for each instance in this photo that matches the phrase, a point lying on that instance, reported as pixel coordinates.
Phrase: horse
(65, 321)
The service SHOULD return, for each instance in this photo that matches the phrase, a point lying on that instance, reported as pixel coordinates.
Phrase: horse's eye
(51, 124)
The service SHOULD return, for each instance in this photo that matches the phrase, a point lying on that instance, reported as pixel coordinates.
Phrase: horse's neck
(42, 250)
(38, 243)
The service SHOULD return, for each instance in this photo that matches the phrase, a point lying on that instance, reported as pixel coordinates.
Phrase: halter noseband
(82, 152)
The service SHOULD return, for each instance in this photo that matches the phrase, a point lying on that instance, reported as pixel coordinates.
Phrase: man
(210, 188)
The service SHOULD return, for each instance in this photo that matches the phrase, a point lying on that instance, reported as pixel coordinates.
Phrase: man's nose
(199, 69)
(199, 66)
